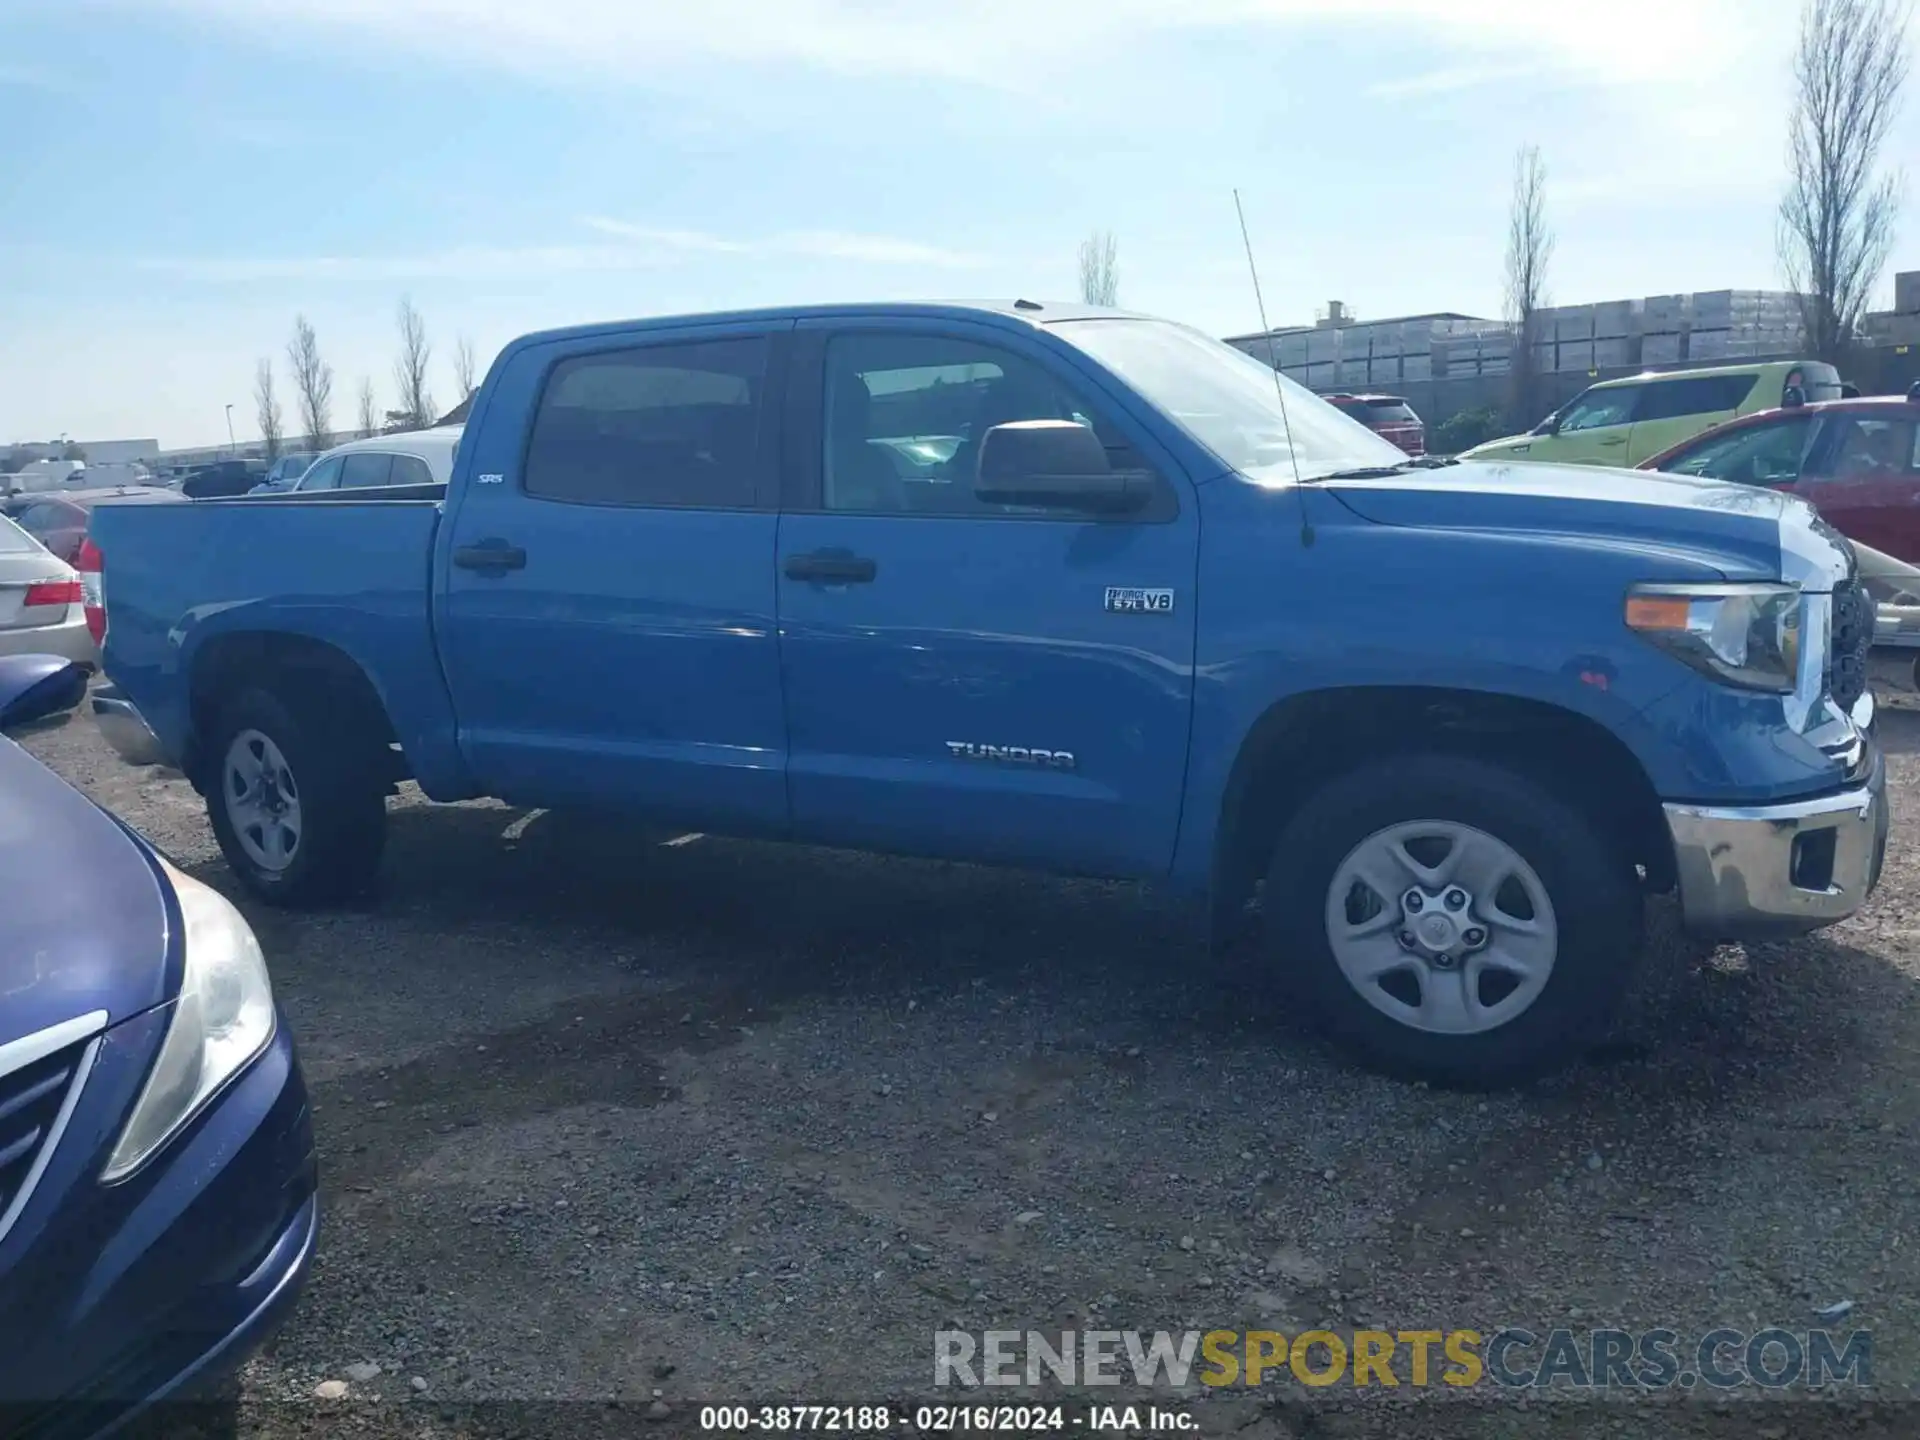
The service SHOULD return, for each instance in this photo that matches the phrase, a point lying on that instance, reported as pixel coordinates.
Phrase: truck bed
(350, 573)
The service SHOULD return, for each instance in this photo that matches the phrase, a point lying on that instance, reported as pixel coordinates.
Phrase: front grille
(1852, 637)
(32, 1100)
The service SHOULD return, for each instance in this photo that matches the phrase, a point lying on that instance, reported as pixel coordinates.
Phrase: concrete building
(120, 452)
(1447, 362)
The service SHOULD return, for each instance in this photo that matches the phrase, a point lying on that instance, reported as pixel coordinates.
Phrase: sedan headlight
(221, 1022)
(1744, 635)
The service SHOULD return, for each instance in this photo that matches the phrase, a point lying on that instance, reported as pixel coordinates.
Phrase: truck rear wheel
(299, 807)
(1453, 921)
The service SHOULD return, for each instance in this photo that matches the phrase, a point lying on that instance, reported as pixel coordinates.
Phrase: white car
(41, 604)
(414, 457)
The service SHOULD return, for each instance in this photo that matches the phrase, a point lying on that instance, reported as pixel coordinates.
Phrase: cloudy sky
(183, 176)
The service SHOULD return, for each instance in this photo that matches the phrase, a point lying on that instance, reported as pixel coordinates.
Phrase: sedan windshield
(1231, 403)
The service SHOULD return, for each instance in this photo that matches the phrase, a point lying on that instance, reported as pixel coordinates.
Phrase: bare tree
(312, 383)
(1529, 249)
(369, 409)
(1836, 219)
(465, 367)
(410, 367)
(1100, 269)
(266, 407)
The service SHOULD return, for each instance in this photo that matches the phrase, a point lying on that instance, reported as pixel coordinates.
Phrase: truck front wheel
(299, 807)
(1453, 921)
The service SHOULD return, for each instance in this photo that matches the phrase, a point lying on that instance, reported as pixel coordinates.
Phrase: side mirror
(1548, 426)
(37, 687)
(1056, 465)
(1792, 398)
(1913, 393)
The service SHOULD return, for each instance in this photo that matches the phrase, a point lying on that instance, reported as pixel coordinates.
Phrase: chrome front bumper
(123, 728)
(1751, 872)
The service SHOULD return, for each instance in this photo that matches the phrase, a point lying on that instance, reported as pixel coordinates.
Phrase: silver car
(41, 607)
(415, 457)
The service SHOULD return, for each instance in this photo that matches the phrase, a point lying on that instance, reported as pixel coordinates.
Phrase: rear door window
(410, 470)
(675, 424)
(1698, 395)
(1865, 447)
(365, 470)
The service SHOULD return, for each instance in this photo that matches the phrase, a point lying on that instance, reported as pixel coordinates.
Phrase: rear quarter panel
(354, 575)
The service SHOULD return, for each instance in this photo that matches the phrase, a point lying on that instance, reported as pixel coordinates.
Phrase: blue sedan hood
(83, 920)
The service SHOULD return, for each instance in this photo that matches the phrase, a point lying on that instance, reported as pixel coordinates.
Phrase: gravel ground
(650, 1120)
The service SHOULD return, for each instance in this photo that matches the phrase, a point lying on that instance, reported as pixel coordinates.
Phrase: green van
(1622, 422)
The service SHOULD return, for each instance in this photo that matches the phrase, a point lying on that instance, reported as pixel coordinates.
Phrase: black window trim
(778, 336)
(803, 471)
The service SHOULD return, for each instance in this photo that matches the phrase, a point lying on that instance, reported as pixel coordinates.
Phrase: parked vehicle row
(1855, 461)
(935, 579)
(285, 472)
(383, 462)
(1627, 421)
(59, 521)
(158, 1201)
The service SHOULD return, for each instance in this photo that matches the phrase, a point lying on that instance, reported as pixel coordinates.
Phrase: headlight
(221, 1022)
(1745, 635)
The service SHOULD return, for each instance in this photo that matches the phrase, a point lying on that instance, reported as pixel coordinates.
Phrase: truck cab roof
(1005, 312)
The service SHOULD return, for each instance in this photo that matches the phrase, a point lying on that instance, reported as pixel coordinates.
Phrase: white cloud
(30, 77)
(991, 42)
(630, 247)
(816, 244)
(1449, 81)
(467, 263)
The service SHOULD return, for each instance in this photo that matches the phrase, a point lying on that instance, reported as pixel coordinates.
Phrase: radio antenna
(1273, 364)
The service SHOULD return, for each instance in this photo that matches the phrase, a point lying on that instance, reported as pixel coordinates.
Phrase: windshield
(1227, 400)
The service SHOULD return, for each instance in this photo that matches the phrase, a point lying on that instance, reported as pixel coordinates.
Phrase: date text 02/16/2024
(944, 1419)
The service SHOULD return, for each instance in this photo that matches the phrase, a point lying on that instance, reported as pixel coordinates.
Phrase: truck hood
(1744, 532)
(84, 925)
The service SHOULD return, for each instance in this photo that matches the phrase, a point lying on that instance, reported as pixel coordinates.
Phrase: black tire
(342, 793)
(1591, 885)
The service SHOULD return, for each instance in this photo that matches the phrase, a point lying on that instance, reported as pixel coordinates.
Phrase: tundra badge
(1133, 600)
(1011, 754)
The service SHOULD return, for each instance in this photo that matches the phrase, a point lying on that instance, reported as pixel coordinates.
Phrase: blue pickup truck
(1049, 587)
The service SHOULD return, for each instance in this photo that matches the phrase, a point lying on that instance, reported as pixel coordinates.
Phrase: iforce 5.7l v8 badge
(1134, 600)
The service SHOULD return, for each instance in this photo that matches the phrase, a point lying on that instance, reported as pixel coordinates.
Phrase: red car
(58, 518)
(1388, 416)
(1856, 461)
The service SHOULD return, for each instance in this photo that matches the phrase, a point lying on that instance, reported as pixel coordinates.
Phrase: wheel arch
(298, 667)
(1300, 743)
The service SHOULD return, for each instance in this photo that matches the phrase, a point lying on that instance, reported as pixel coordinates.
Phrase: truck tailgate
(355, 576)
